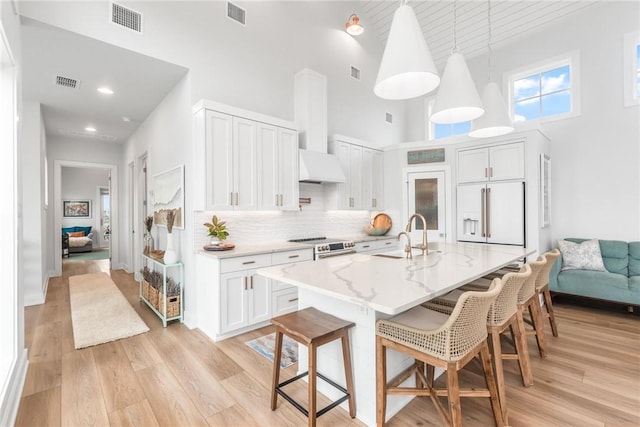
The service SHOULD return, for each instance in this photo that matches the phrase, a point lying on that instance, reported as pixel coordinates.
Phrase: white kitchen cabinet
(243, 160)
(495, 163)
(375, 246)
(233, 299)
(363, 169)
(277, 168)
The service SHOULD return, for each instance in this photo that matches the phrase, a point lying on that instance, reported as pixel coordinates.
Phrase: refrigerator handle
(488, 213)
(482, 199)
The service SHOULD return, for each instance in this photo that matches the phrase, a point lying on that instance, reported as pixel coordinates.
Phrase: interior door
(427, 196)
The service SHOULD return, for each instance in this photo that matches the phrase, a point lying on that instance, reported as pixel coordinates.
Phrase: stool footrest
(299, 407)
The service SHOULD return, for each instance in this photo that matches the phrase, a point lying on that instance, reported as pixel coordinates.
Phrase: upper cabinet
(244, 160)
(495, 163)
(363, 169)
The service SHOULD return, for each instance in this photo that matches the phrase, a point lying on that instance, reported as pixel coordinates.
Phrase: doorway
(427, 192)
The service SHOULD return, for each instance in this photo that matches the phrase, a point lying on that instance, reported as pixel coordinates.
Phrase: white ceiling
(139, 82)
(511, 20)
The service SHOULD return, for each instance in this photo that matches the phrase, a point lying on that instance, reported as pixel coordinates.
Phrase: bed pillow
(76, 234)
(581, 256)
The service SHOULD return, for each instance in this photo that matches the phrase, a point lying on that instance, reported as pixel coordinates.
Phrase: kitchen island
(364, 288)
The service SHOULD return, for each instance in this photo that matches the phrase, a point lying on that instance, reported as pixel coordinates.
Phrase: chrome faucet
(423, 246)
(407, 248)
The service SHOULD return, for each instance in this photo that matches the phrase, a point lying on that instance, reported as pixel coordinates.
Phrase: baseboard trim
(10, 399)
(190, 321)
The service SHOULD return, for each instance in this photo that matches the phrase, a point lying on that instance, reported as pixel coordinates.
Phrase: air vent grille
(355, 73)
(236, 13)
(126, 17)
(67, 82)
(389, 118)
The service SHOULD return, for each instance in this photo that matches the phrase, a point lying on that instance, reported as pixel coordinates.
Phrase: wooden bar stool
(312, 328)
(542, 288)
(442, 341)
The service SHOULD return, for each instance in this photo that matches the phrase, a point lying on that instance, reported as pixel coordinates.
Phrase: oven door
(336, 253)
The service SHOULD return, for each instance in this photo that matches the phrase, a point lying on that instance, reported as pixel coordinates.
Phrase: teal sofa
(620, 283)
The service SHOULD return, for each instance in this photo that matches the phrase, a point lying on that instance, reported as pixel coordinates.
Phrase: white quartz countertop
(260, 248)
(392, 286)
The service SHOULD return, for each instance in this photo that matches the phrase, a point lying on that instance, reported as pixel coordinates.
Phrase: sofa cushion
(67, 230)
(615, 255)
(634, 283)
(584, 256)
(634, 259)
(86, 230)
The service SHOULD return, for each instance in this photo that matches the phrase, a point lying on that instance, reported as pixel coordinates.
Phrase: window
(439, 131)
(632, 69)
(544, 91)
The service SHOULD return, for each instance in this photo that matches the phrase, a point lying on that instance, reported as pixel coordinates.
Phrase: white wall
(253, 66)
(166, 139)
(82, 184)
(595, 176)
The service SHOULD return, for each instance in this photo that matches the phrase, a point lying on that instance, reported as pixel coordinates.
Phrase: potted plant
(217, 230)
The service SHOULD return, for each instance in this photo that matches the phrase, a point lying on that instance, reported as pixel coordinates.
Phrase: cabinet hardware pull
(491, 172)
(488, 212)
(231, 198)
(294, 256)
(248, 262)
(276, 200)
(281, 200)
(244, 279)
(293, 299)
(237, 200)
(251, 281)
(388, 243)
(366, 246)
(482, 202)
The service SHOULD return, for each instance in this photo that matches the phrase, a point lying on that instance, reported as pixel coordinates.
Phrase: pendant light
(496, 120)
(407, 69)
(458, 99)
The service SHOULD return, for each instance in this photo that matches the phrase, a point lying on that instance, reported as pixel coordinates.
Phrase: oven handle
(352, 251)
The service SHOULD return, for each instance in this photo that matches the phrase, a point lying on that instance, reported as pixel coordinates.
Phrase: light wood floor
(178, 377)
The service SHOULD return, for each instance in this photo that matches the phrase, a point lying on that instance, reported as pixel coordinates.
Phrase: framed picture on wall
(168, 194)
(76, 208)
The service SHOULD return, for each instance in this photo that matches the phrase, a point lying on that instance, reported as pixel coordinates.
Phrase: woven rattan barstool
(313, 328)
(439, 341)
(542, 288)
(502, 317)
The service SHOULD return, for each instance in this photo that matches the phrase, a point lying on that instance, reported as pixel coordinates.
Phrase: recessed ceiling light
(126, 119)
(90, 129)
(105, 90)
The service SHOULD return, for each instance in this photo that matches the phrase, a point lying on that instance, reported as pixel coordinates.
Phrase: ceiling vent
(66, 82)
(126, 17)
(236, 13)
(355, 73)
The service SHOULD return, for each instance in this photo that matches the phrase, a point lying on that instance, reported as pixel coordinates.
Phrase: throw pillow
(76, 234)
(581, 256)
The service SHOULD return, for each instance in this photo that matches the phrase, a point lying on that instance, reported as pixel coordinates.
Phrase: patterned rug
(264, 345)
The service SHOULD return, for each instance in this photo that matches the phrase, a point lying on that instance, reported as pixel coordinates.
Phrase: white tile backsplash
(248, 227)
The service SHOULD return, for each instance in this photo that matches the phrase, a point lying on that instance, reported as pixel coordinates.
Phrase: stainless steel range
(324, 247)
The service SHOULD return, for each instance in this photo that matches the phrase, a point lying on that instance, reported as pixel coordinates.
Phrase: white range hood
(320, 167)
(316, 165)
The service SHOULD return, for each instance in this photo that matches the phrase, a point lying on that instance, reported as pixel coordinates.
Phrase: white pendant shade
(458, 99)
(496, 120)
(407, 69)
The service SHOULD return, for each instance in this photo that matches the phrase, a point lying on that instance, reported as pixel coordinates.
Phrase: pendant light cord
(490, 40)
(455, 23)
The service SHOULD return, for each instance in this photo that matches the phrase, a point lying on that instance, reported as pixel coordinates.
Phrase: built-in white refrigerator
(491, 213)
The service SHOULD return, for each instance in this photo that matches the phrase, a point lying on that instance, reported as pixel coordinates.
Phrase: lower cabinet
(233, 298)
(379, 245)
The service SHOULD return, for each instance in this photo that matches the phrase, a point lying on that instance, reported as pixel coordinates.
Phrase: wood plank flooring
(178, 377)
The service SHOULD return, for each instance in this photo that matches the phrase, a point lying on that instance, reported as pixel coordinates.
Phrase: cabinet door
(219, 160)
(505, 213)
(259, 298)
(245, 168)
(268, 173)
(473, 165)
(506, 162)
(366, 179)
(355, 176)
(234, 312)
(289, 170)
(377, 181)
(343, 151)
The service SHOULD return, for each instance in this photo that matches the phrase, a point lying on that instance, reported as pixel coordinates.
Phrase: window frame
(572, 59)
(631, 65)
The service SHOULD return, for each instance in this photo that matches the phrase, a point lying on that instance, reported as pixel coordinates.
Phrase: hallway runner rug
(99, 311)
(264, 346)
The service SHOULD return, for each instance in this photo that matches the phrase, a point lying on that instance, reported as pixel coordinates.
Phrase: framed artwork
(545, 190)
(76, 208)
(168, 194)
